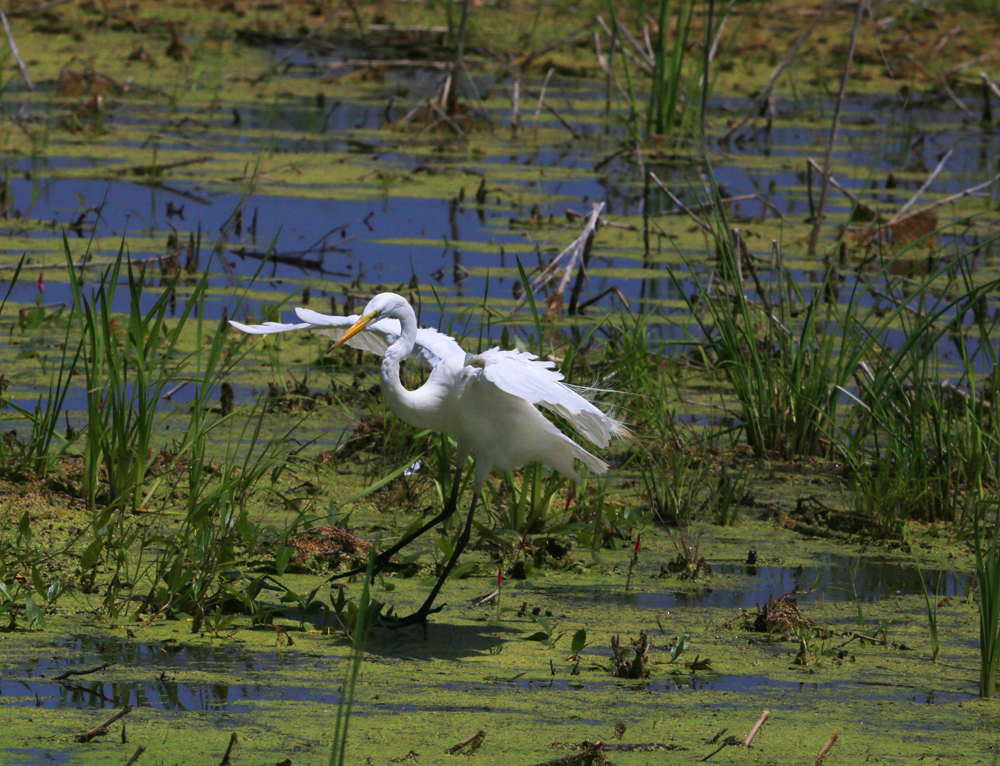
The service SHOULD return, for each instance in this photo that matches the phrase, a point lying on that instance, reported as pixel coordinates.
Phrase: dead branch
(540, 97)
(897, 220)
(756, 727)
(955, 197)
(990, 84)
(569, 259)
(680, 204)
(87, 672)
(135, 756)
(956, 100)
(386, 63)
(102, 729)
(472, 742)
(613, 290)
(613, 35)
(591, 754)
(973, 61)
(765, 94)
(13, 49)
(573, 37)
(833, 182)
(229, 750)
(922, 189)
(826, 749)
(155, 170)
(515, 108)
(643, 52)
(727, 742)
(828, 156)
(486, 599)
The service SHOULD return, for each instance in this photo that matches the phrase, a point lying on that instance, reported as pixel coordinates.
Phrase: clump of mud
(325, 549)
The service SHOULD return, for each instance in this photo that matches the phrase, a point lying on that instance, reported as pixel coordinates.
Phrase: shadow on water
(836, 578)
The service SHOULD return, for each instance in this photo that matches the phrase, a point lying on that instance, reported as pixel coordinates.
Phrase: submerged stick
(135, 756)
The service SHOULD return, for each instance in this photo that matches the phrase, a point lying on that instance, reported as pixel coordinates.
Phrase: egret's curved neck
(397, 396)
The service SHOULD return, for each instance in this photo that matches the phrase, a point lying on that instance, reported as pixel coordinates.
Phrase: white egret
(488, 403)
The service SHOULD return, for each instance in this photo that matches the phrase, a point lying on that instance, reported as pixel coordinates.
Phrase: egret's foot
(419, 617)
(384, 559)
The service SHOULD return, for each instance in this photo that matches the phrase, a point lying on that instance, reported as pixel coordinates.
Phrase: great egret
(488, 403)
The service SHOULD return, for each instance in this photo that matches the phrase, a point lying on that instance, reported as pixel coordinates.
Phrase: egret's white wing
(376, 338)
(526, 376)
(267, 328)
(431, 346)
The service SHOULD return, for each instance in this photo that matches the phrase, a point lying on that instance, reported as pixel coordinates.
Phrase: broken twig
(63, 676)
(757, 727)
(13, 49)
(826, 749)
(472, 743)
(101, 729)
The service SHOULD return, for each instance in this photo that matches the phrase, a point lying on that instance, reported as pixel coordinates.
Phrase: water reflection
(171, 689)
(838, 578)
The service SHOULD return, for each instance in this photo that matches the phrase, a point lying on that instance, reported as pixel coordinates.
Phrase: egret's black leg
(419, 617)
(385, 556)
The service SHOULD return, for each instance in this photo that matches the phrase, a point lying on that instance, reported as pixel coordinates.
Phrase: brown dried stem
(757, 727)
(826, 749)
(101, 729)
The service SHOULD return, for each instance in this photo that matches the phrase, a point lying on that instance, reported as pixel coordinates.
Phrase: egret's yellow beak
(357, 327)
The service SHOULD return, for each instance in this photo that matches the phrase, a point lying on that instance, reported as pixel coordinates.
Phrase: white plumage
(485, 402)
(488, 403)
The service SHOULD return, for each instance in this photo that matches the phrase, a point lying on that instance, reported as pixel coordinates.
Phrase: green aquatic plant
(931, 600)
(36, 454)
(348, 690)
(927, 444)
(986, 538)
(665, 110)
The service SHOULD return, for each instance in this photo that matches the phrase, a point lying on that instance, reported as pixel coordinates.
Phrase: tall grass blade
(338, 752)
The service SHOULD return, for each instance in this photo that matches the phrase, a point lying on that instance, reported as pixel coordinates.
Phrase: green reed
(349, 689)
(987, 548)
